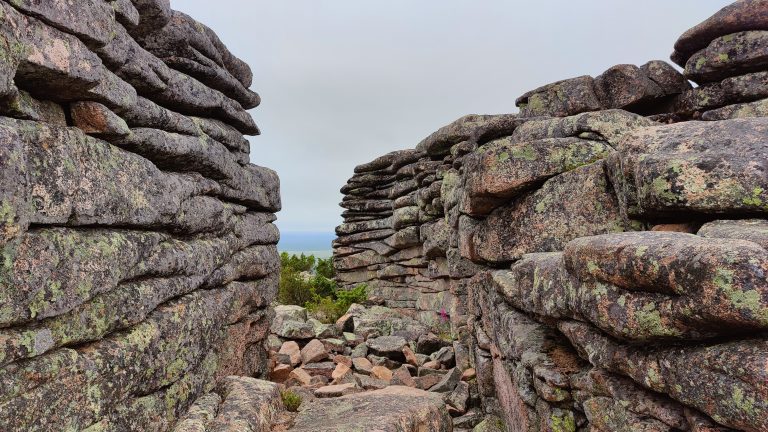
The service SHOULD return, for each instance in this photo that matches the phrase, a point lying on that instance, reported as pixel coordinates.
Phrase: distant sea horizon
(317, 243)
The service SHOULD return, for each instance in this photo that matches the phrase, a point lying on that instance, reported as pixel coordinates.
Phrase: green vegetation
(291, 400)
(329, 309)
(308, 281)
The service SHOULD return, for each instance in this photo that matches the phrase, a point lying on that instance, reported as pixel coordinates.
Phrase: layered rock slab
(395, 408)
(238, 404)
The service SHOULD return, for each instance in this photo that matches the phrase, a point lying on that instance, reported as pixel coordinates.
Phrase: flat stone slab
(238, 404)
(395, 409)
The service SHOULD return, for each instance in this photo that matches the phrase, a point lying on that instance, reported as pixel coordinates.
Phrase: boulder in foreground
(395, 409)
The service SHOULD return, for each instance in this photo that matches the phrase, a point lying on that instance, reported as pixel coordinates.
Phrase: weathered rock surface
(548, 218)
(636, 89)
(739, 16)
(239, 404)
(693, 167)
(139, 250)
(395, 409)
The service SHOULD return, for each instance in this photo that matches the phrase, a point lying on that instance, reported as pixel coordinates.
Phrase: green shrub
(324, 309)
(306, 281)
(293, 289)
(345, 298)
(297, 263)
(328, 309)
(291, 400)
(323, 286)
(325, 268)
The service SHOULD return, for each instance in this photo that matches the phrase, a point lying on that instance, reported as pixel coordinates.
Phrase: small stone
(274, 343)
(413, 370)
(292, 350)
(320, 369)
(448, 383)
(461, 355)
(490, 424)
(426, 371)
(370, 383)
(323, 331)
(383, 361)
(280, 373)
(468, 374)
(458, 397)
(362, 365)
(382, 373)
(340, 371)
(401, 376)
(292, 329)
(432, 364)
(469, 420)
(319, 381)
(388, 346)
(342, 359)
(301, 376)
(424, 382)
(360, 350)
(313, 352)
(429, 343)
(345, 323)
(410, 357)
(333, 345)
(291, 312)
(445, 356)
(336, 390)
(352, 339)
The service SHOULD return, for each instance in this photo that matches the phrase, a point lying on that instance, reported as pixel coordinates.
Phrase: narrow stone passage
(374, 369)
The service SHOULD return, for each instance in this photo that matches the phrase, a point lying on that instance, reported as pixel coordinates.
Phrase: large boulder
(561, 98)
(505, 168)
(754, 230)
(473, 127)
(738, 16)
(695, 167)
(393, 409)
(729, 55)
(646, 285)
(238, 404)
(388, 346)
(734, 372)
(575, 204)
(677, 282)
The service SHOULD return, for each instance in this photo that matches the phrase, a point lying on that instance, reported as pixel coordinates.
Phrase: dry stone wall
(138, 250)
(603, 253)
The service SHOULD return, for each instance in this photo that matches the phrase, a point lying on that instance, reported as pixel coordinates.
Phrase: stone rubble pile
(369, 349)
(602, 254)
(139, 256)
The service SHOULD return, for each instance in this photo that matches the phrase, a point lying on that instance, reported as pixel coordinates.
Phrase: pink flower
(443, 314)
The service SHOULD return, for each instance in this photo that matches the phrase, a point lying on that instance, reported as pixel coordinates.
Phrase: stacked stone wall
(603, 253)
(138, 250)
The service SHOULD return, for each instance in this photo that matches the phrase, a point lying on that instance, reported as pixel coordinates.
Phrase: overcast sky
(345, 81)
